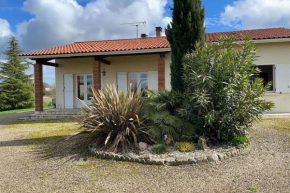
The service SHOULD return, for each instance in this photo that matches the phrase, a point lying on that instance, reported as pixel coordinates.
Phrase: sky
(41, 24)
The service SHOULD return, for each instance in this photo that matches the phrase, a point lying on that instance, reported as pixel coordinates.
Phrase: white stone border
(150, 160)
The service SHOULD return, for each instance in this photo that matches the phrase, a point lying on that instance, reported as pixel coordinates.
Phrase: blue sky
(41, 24)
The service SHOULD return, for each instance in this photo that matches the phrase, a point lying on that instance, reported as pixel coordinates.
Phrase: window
(267, 74)
(89, 87)
(139, 81)
(80, 85)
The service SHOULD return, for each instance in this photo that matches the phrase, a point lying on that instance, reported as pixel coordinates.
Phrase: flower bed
(173, 158)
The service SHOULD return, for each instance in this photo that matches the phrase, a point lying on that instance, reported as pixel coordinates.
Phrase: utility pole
(135, 24)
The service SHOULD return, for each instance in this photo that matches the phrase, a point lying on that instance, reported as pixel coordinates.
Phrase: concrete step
(47, 117)
(58, 113)
(53, 115)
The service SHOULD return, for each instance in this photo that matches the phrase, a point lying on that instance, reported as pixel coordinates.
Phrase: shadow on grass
(72, 147)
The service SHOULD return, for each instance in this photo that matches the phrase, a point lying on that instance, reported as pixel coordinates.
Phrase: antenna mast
(135, 24)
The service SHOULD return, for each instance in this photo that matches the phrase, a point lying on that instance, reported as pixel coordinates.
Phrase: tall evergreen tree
(186, 28)
(16, 88)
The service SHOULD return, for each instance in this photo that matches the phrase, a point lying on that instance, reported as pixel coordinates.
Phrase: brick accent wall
(38, 87)
(97, 75)
(161, 71)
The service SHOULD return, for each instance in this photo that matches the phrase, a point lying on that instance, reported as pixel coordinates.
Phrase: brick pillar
(161, 71)
(97, 75)
(38, 87)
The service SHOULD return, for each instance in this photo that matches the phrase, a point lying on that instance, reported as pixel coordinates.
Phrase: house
(82, 65)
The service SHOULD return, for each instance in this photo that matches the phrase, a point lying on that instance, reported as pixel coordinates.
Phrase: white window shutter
(68, 91)
(122, 82)
(282, 78)
(153, 80)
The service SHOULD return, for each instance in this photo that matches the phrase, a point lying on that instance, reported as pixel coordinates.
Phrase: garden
(220, 101)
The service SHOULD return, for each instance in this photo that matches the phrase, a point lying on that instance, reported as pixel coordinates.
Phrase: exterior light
(104, 72)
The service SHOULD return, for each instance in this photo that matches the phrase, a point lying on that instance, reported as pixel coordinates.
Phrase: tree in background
(185, 30)
(16, 88)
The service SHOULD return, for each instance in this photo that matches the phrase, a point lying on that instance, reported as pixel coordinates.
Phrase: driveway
(40, 157)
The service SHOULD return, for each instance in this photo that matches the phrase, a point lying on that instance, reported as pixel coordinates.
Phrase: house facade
(145, 63)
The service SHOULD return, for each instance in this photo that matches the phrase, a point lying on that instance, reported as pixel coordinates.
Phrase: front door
(84, 84)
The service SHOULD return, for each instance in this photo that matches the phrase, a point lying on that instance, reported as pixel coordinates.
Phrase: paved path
(265, 168)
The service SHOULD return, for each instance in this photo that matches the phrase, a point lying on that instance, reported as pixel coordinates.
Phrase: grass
(50, 138)
(278, 123)
(46, 105)
(252, 189)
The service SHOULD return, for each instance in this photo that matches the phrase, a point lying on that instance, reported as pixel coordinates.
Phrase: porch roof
(146, 45)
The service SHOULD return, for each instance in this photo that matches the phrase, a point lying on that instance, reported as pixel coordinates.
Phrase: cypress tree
(16, 88)
(186, 28)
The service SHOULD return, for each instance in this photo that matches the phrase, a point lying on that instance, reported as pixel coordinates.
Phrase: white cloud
(5, 34)
(247, 14)
(58, 22)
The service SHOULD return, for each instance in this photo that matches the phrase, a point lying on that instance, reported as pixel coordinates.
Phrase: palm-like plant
(162, 110)
(116, 120)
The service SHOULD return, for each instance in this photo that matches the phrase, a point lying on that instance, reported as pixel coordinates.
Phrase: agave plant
(115, 120)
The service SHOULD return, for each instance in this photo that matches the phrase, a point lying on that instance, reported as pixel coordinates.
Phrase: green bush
(222, 97)
(240, 140)
(185, 146)
(162, 110)
(159, 148)
(116, 121)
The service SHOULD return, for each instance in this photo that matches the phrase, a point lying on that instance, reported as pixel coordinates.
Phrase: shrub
(159, 148)
(162, 110)
(221, 96)
(240, 140)
(185, 147)
(116, 121)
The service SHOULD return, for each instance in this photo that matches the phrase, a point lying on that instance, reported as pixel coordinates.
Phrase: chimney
(158, 31)
(144, 36)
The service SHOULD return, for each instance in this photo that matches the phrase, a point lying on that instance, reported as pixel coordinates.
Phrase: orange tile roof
(255, 34)
(153, 42)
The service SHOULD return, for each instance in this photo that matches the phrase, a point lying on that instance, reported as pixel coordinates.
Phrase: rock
(221, 156)
(228, 154)
(213, 157)
(191, 161)
(202, 143)
(107, 155)
(142, 146)
(148, 156)
(182, 160)
(142, 161)
(200, 159)
(169, 140)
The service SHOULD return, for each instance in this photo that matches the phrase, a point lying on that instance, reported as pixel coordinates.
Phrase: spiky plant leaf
(116, 121)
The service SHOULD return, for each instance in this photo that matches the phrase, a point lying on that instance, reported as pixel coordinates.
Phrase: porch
(75, 76)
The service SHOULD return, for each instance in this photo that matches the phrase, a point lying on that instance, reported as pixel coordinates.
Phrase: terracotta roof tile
(153, 42)
(255, 34)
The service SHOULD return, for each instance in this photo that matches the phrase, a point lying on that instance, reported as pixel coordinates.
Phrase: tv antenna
(135, 24)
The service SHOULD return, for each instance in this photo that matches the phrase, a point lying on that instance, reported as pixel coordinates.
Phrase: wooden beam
(162, 55)
(101, 59)
(45, 62)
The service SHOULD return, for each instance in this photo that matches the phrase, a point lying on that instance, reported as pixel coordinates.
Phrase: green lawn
(46, 105)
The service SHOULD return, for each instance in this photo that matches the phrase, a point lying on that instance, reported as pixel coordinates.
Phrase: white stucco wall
(268, 54)
(70, 66)
(140, 63)
(277, 54)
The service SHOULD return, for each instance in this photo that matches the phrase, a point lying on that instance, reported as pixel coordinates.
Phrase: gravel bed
(264, 167)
